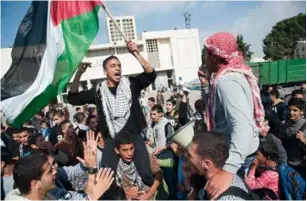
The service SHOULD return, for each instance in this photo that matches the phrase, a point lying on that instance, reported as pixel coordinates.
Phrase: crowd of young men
(120, 149)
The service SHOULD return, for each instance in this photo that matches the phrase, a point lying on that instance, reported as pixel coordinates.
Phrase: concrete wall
(184, 50)
(161, 80)
(6, 60)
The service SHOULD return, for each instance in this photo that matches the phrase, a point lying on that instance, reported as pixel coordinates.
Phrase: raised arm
(143, 80)
(84, 97)
(133, 49)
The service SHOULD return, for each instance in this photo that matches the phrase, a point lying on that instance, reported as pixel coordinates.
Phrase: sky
(252, 19)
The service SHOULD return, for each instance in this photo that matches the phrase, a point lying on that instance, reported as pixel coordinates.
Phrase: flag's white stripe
(13, 106)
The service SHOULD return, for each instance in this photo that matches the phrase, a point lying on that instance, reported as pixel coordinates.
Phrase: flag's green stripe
(78, 33)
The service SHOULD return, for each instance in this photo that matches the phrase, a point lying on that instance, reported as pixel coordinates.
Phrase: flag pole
(136, 54)
(116, 25)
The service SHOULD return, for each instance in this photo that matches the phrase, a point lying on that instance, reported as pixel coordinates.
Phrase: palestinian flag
(51, 41)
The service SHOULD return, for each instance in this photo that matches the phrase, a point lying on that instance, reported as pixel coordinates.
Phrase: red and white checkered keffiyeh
(224, 45)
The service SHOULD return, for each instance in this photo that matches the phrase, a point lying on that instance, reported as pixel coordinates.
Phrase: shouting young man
(118, 107)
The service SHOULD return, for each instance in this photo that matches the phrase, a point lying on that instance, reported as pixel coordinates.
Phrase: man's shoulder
(231, 78)
(237, 190)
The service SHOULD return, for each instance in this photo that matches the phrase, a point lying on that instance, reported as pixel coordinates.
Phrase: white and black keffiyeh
(116, 108)
(130, 172)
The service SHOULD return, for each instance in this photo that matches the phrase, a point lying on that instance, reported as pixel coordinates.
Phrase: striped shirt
(268, 179)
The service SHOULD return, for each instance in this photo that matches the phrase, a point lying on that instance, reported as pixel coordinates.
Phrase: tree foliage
(281, 42)
(244, 48)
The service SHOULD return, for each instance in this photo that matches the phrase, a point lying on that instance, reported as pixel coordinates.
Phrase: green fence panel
(282, 71)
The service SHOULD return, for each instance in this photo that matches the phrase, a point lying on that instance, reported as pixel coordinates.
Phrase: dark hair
(62, 124)
(58, 113)
(158, 108)
(297, 102)
(89, 119)
(275, 93)
(212, 145)
(6, 156)
(28, 123)
(35, 139)
(171, 101)
(80, 117)
(269, 150)
(199, 105)
(298, 91)
(27, 169)
(152, 99)
(50, 112)
(91, 110)
(43, 121)
(78, 108)
(13, 131)
(104, 64)
(123, 137)
(41, 113)
(175, 90)
(24, 129)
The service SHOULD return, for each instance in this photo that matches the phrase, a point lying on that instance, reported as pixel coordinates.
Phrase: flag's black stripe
(27, 52)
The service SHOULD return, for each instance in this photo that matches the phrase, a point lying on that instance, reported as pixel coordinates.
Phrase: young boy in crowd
(58, 118)
(157, 144)
(269, 138)
(151, 103)
(71, 145)
(81, 128)
(44, 129)
(295, 133)
(24, 149)
(267, 156)
(127, 175)
(171, 114)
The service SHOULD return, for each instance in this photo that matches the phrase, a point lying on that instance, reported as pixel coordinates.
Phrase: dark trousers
(141, 161)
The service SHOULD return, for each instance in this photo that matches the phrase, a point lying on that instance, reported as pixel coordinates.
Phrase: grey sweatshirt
(292, 145)
(234, 117)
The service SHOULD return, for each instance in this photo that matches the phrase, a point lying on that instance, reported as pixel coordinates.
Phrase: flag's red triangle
(62, 10)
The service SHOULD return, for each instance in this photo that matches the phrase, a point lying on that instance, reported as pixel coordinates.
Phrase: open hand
(149, 142)
(145, 196)
(132, 192)
(90, 151)
(300, 136)
(103, 181)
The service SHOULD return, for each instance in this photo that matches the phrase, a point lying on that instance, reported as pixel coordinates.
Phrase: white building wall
(165, 53)
(6, 60)
(161, 80)
(184, 49)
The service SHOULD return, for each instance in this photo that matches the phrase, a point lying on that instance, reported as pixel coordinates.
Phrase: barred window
(152, 45)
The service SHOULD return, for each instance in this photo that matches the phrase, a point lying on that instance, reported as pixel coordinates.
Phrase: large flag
(51, 41)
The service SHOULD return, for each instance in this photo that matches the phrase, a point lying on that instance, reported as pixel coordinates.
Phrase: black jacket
(137, 84)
